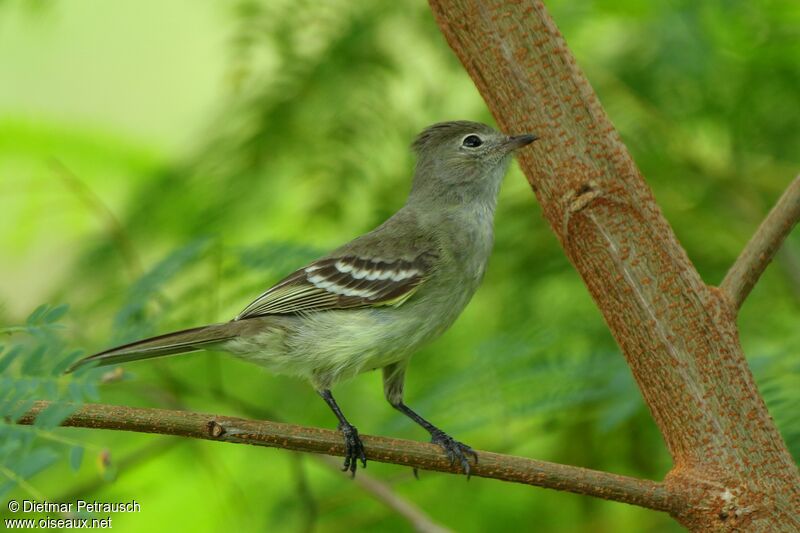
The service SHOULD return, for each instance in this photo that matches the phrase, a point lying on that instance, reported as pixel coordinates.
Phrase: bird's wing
(344, 282)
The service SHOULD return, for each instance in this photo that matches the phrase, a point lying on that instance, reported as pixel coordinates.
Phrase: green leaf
(75, 392)
(11, 442)
(37, 314)
(32, 362)
(90, 390)
(8, 358)
(55, 314)
(21, 408)
(50, 389)
(29, 465)
(143, 290)
(54, 414)
(20, 391)
(76, 457)
(65, 362)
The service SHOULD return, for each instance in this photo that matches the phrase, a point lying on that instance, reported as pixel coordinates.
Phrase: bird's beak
(515, 142)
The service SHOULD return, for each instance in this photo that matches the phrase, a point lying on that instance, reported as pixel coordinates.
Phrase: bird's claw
(456, 451)
(353, 449)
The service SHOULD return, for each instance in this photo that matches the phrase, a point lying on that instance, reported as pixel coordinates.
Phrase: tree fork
(758, 253)
(678, 335)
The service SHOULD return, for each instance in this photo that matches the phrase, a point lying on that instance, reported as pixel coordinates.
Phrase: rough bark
(420, 455)
(678, 334)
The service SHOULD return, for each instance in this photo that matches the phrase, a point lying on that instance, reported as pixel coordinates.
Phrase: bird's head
(462, 154)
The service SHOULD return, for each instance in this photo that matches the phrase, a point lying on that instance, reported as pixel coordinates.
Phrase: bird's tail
(187, 340)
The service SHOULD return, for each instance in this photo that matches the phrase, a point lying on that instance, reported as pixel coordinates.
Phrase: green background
(162, 163)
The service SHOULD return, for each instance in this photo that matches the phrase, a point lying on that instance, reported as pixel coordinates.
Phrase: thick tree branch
(758, 253)
(644, 493)
(678, 335)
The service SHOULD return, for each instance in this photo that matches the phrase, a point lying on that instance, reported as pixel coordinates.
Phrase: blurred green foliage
(31, 368)
(148, 199)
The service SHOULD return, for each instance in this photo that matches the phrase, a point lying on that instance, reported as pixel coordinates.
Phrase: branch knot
(577, 200)
(215, 429)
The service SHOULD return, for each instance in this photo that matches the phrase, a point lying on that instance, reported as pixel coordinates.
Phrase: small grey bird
(374, 301)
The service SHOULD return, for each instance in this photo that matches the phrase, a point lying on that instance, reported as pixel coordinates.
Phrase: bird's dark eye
(472, 141)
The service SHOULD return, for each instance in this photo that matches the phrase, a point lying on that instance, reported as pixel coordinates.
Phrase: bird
(374, 301)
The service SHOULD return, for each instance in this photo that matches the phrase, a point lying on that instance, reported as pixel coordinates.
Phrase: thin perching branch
(375, 488)
(425, 456)
(751, 263)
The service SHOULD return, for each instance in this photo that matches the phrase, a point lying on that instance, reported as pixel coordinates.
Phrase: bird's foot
(456, 451)
(353, 449)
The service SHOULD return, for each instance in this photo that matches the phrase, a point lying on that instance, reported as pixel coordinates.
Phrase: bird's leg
(455, 450)
(353, 448)
(393, 378)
